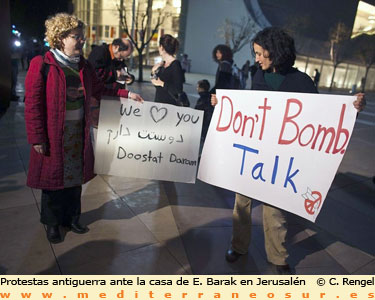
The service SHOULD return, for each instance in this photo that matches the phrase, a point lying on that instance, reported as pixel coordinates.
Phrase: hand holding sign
(271, 146)
(152, 140)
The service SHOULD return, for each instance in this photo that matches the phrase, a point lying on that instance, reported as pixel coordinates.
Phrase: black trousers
(61, 207)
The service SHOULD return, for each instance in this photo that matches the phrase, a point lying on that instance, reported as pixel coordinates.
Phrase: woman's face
(262, 57)
(73, 43)
(219, 55)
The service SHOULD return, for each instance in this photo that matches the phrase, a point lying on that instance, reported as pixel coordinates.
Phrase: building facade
(104, 23)
(199, 26)
(309, 21)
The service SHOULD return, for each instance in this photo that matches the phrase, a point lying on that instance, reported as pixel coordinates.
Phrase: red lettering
(288, 119)
(236, 117)
(302, 131)
(224, 128)
(265, 108)
(326, 131)
(252, 126)
(339, 131)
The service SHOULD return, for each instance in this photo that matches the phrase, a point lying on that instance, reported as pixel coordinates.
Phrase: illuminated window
(159, 4)
(364, 20)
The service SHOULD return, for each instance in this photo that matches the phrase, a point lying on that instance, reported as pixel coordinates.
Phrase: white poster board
(148, 140)
(280, 148)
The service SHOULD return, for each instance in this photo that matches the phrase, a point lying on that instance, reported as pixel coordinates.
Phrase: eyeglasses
(77, 37)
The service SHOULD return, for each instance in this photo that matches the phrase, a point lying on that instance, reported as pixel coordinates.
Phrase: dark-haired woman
(167, 76)
(223, 55)
(275, 55)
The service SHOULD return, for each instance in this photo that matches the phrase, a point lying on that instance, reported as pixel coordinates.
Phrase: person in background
(204, 103)
(275, 55)
(59, 88)
(316, 77)
(109, 62)
(167, 76)
(223, 55)
(33, 50)
(245, 72)
(185, 65)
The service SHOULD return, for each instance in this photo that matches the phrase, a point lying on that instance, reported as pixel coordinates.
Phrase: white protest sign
(280, 148)
(148, 140)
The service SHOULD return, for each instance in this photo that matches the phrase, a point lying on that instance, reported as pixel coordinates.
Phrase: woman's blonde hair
(59, 26)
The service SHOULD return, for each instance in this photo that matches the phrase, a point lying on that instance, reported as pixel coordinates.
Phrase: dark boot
(53, 234)
(76, 227)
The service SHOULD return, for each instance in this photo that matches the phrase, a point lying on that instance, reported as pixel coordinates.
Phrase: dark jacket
(223, 76)
(105, 67)
(204, 103)
(294, 81)
(45, 100)
(173, 79)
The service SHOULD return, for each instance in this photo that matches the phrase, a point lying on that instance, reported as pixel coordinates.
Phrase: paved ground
(142, 226)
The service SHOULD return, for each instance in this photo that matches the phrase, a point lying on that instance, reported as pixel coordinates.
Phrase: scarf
(63, 59)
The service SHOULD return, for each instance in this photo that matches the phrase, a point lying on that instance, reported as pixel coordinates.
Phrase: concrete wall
(204, 18)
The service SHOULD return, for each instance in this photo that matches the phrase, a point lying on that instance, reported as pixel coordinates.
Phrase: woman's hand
(135, 97)
(40, 148)
(360, 102)
(213, 99)
(157, 82)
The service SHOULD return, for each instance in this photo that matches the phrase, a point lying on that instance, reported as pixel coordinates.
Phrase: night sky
(29, 15)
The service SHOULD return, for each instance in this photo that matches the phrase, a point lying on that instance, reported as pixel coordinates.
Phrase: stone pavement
(140, 226)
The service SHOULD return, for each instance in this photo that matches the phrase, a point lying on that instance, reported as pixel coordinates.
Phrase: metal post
(307, 63)
(148, 28)
(120, 31)
(346, 74)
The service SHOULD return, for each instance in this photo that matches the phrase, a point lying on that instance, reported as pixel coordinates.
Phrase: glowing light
(17, 43)
(158, 5)
(177, 3)
(16, 32)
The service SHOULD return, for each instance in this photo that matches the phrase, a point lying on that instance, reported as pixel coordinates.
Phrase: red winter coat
(45, 118)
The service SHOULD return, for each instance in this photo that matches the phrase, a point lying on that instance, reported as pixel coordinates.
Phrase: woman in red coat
(61, 87)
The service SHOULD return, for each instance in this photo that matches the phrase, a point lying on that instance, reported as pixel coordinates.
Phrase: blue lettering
(260, 167)
(245, 149)
(274, 172)
(289, 177)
